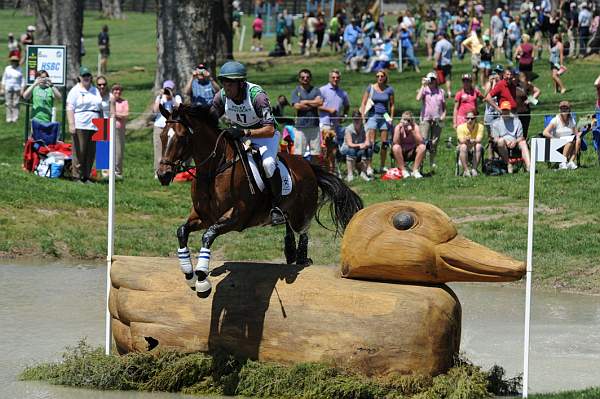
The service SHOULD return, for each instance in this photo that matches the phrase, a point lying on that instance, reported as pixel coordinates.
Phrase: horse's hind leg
(302, 258)
(183, 252)
(290, 245)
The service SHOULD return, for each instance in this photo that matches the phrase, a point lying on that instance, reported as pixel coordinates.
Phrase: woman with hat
(562, 125)
(169, 100)
(12, 86)
(84, 103)
(14, 47)
(465, 100)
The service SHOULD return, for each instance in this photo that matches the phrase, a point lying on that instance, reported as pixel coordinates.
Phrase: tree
(189, 32)
(67, 29)
(112, 9)
(42, 10)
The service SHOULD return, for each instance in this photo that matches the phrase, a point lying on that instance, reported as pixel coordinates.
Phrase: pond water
(47, 306)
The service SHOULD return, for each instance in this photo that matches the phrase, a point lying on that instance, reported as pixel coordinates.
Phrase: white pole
(529, 265)
(99, 65)
(399, 56)
(242, 35)
(111, 219)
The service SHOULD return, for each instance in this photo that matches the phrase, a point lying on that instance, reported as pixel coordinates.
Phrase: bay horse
(225, 198)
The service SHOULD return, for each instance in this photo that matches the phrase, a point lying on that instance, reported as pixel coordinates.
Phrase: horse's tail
(343, 202)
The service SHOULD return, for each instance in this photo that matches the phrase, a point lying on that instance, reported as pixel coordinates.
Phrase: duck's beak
(461, 259)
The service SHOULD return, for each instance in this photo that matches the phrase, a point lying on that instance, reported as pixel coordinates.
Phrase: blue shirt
(202, 94)
(351, 34)
(381, 100)
(445, 49)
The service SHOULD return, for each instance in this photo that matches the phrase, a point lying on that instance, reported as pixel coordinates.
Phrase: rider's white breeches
(268, 147)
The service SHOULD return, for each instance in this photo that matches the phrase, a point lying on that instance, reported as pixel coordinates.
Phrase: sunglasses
(304, 77)
(381, 76)
(101, 84)
(565, 108)
(470, 118)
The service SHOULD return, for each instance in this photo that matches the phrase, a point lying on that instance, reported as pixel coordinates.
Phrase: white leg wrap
(202, 270)
(185, 264)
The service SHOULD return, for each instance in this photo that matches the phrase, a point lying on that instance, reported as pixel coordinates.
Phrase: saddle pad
(286, 178)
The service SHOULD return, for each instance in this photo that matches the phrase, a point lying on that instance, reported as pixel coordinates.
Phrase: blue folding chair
(44, 133)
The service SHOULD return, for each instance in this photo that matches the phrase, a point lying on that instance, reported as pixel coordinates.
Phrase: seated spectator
(357, 57)
(469, 136)
(564, 125)
(408, 145)
(507, 133)
(356, 147)
(380, 58)
(42, 93)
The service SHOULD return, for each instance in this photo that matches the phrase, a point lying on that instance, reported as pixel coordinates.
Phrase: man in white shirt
(12, 86)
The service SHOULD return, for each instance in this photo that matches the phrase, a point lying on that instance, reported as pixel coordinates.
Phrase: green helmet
(233, 70)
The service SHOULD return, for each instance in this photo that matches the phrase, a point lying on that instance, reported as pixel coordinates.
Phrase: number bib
(243, 114)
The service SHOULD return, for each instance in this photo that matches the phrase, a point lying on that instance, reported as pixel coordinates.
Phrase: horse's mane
(200, 112)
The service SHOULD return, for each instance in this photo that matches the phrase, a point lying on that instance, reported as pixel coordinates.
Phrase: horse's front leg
(183, 252)
(226, 223)
(290, 245)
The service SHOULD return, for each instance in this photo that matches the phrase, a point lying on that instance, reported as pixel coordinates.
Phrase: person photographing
(201, 88)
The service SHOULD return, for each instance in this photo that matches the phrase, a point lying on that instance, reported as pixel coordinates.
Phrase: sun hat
(564, 104)
(470, 114)
(168, 84)
(84, 71)
(505, 105)
(467, 76)
(431, 75)
(31, 28)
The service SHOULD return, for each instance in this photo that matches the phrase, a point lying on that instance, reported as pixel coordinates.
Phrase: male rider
(247, 107)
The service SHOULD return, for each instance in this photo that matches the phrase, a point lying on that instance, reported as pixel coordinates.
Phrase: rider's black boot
(277, 216)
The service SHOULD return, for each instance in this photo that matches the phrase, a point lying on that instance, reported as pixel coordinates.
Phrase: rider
(248, 109)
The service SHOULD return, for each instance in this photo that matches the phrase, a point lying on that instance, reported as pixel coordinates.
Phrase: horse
(225, 197)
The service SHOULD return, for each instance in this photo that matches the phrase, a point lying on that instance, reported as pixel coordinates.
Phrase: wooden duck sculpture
(285, 314)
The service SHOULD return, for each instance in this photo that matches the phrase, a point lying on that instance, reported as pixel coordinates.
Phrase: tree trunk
(112, 9)
(189, 32)
(42, 9)
(67, 29)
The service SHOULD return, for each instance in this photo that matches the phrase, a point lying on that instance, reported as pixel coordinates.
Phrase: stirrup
(277, 216)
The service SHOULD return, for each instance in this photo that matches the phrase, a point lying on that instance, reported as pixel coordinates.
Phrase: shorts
(554, 66)
(377, 122)
(485, 65)
(257, 35)
(498, 40)
(476, 61)
(446, 73)
(307, 140)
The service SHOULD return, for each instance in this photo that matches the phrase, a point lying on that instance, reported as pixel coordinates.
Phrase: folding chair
(44, 133)
(584, 146)
(458, 168)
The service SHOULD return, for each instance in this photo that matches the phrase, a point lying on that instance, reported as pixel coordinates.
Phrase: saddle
(253, 163)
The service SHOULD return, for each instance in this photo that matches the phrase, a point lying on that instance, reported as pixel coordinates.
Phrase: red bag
(441, 76)
(392, 174)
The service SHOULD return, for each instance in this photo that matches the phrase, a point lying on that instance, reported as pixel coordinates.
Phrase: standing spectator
(442, 62)
(83, 104)
(507, 133)
(306, 100)
(408, 145)
(120, 110)
(12, 86)
(469, 135)
(380, 115)
(513, 33)
(465, 101)
(169, 100)
(334, 33)
(408, 51)
(459, 32)
(290, 31)
(257, 31)
(491, 113)
(42, 93)
(356, 147)
(104, 47)
(505, 90)
(474, 43)
(497, 30)
(335, 106)
(433, 113)
(320, 30)
(526, 94)
(14, 47)
(585, 21)
(562, 125)
(201, 88)
(27, 39)
(351, 34)
(102, 85)
(524, 55)
(557, 63)
(487, 57)
(573, 29)
(430, 30)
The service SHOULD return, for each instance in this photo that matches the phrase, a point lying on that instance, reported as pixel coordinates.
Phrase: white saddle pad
(286, 178)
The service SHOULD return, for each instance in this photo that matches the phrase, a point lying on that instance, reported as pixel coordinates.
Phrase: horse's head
(176, 146)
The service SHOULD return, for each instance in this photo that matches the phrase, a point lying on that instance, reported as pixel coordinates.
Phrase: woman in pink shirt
(257, 30)
(120, 110)
(465, 101)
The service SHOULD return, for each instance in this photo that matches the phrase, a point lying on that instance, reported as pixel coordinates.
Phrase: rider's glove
(235, 132)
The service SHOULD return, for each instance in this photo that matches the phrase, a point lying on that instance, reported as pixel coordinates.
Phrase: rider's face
(231, 87)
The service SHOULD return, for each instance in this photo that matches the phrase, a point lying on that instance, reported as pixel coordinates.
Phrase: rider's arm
(262, 107)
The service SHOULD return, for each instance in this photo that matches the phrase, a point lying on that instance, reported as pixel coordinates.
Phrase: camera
(168, 91)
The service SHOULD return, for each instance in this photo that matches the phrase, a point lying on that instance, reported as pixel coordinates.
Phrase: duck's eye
(404, 220)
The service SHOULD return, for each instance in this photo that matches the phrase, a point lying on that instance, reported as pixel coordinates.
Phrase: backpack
(494, 167)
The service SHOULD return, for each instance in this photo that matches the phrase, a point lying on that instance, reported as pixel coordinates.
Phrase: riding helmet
(232, 70)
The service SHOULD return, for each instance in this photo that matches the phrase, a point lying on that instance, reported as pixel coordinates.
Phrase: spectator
(573, 29)
(335, 106)
(357, 57)
(408, 51)
(356, 147)
(491, 113)
(311, 33)
(377, 106)
(42, 93)
(513, 33)
(169, 100)
(465, 101)
(459, 32)
(320, 30)
(334, 33)
(351, 34)
(14, 47)
(557, 63)
(597, 84)
(83, 104)
(433, 113)
(430, 30)
(507, 134)
(306, 100)
(12, 86)
(102, 85)
(564, 125)
(290, 31)
(487, 57)
(381, 57)
(279, 110)
(469, 135)
(257, 31)
(585, 21)
(27, 39)
(526, 95)
(443, 62)
(504, 90)
(408, 145)
(474, 43)
(120, 110)
(104, 47)
(497, 30)
(524, 55)
(201, 88)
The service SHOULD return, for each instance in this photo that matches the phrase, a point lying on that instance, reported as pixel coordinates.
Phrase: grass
(57, 218)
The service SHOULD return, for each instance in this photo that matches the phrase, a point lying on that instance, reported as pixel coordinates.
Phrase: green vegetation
(591, 393)
(84, 366)
(61, 219)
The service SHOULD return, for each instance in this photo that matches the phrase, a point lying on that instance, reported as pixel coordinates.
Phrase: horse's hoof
(190, 279)
(201, 275)
(203, 286)
(204, 295)
(305, 262)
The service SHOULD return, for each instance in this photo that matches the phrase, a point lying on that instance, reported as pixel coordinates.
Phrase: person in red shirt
(505, 90)
(465, 101)
(257, 31)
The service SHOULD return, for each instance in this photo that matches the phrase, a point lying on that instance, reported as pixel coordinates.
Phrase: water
(48, 306)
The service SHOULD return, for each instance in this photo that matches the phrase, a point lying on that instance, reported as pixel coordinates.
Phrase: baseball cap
(201, 66)
(31, 28)
(470, 115)
(13, 58)
(498, 68)
(431, 75)
(168, 84)
(564, 104)
(505, 105)
(467, 76)
(84, 71)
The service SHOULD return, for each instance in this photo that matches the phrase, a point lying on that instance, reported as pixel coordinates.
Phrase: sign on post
(102, 139)
(52, 59)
